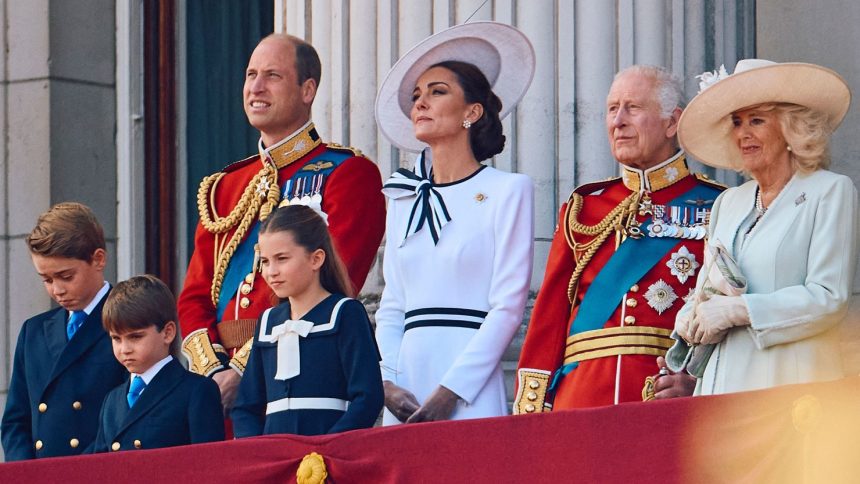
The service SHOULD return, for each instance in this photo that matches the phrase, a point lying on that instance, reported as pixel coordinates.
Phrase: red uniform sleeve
(355, 207)
(544, 344)
(194, 306)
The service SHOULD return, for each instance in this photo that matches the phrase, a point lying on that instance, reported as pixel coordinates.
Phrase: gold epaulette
(531, 394)
(240, 359)
(202, 355)
(702, 178)
(348, 149)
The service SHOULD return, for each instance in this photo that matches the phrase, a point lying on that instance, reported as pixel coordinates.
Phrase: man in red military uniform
(224, 292)
(623, 258)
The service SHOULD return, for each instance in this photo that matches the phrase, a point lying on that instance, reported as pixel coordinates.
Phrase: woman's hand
(439, 406)
(683, 322)
(716, 316)
(399, 401)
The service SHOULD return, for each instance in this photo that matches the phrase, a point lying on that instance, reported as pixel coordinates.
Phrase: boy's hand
(228, 382)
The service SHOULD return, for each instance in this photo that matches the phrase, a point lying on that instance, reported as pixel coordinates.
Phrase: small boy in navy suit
(63, 366)
(162, 404)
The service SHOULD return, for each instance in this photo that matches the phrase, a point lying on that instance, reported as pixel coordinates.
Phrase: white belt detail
(285, 404)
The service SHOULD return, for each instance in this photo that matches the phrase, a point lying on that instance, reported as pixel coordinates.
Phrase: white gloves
(713, 319)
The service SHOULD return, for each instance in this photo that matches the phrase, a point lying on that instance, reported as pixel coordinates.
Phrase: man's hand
(439, 406)
(399, 401)
(672, 385)
(228, 382)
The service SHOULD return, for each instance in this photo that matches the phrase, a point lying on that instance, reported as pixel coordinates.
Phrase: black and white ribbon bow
(429, 206)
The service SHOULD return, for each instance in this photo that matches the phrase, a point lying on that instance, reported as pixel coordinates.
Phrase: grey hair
(670, 93)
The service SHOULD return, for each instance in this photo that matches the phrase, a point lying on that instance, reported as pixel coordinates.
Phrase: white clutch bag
(722, 276)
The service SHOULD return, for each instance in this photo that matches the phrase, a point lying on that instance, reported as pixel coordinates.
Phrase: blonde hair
(806, 131)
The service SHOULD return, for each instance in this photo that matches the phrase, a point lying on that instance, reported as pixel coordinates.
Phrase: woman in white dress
(792, 229)
(458, 254)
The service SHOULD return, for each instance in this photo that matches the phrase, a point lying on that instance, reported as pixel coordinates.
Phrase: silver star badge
(660, 296)
(263, 188)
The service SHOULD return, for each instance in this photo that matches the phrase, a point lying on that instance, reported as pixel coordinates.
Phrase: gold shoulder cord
(614, 220)
(241, 217)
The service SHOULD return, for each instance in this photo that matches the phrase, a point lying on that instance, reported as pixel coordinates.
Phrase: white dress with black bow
(457, 267)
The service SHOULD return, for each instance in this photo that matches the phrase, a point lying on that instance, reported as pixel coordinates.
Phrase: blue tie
(137, 386)
(76, 319)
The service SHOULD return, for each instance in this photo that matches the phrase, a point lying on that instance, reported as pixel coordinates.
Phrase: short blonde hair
(807, 132)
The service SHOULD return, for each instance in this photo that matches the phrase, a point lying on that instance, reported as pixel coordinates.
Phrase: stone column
(58, 124)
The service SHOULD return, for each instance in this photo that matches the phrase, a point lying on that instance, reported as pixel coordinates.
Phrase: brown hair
(308, 65)
(68, 230)
(138, 303)
(310, 231)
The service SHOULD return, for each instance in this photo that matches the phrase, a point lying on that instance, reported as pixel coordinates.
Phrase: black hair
(485, 134)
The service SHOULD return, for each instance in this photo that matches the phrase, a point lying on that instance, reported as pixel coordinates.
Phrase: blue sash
(633, 259)
(242, 260)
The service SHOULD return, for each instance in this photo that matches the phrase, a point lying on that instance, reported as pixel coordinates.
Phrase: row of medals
(671, 223)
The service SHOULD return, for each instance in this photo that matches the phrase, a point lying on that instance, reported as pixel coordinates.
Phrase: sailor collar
(657, 177)
(291, 148)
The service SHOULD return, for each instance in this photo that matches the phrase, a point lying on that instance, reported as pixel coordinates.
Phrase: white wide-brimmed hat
(500, 51)
(705, 128)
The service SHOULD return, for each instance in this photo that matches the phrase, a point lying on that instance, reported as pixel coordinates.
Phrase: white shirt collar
(153, 370)
(96, 300)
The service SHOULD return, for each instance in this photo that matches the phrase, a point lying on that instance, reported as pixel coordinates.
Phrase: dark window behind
(220, 37)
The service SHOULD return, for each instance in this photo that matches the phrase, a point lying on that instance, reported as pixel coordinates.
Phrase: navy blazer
(176, 408)
(57, 386)
(339, 362)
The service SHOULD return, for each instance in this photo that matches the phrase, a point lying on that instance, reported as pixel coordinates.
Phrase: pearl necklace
(759, 205)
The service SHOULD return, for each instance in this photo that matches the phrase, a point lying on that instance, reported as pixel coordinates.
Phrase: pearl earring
(788, 147)
(467, 124)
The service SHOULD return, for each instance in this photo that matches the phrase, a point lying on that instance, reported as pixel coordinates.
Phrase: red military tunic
(615, 359)
(355, 206)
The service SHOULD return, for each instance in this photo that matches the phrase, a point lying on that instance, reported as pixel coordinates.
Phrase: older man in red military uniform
(623, 258)
(224, 292)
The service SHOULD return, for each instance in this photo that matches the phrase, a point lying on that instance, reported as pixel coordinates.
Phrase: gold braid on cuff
(531, 393)
(201, 353)
(240, 359)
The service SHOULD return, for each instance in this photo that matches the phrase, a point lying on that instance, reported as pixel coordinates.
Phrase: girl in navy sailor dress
(313, 367)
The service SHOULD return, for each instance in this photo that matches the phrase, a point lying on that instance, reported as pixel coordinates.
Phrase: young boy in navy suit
(63, 366)
(161, 404)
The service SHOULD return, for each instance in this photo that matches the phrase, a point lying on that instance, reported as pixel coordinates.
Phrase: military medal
(660, 296)
(296, 192)
(683, 264)
(317, 198)
(286, 200)
(262, 188)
